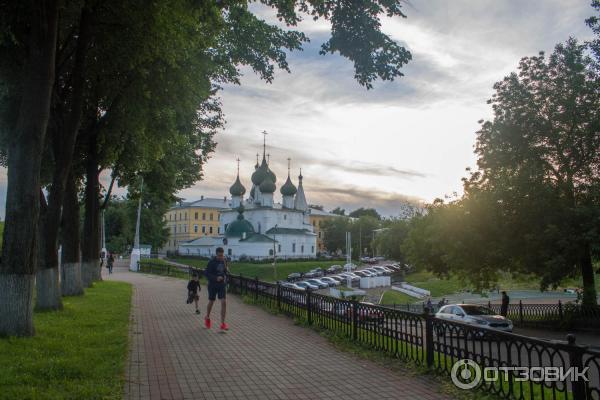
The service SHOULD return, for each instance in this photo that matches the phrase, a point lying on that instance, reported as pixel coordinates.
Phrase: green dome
(288, 188)
(240, 226)
(267, 186)
(237, 189)
(271, 175)
(261, 173)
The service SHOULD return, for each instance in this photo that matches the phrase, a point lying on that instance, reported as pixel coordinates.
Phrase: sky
(406, 140)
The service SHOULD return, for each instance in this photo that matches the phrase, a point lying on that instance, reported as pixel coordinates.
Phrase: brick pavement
(263, 356)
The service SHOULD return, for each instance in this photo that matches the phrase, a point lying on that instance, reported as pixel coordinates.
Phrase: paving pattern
(263, 356)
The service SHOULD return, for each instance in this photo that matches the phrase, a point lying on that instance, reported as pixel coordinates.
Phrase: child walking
(193, 288)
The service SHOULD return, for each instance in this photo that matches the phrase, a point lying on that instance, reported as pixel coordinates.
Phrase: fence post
(489, 304)
(256, 288)
(576, 361)
(308, 307)
(408, 306)
(354, 320)
(428, 337)
(278, 296)
(560, 310)
(521, 312)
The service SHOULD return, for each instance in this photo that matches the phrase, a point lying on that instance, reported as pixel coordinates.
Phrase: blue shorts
(215, 291)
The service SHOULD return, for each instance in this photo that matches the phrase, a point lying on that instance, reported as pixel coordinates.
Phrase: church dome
(237, 189)
(267, 185)
(261, 173)
(240, 226)
(288, 188)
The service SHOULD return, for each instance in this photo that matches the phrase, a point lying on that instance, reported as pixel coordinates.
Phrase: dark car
(334, 268)
(294, 275)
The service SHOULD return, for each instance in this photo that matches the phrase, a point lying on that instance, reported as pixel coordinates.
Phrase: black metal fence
(438, 344)
(558, 315)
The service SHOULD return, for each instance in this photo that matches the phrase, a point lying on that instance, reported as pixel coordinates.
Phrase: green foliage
(77, 353)
(362, 234)
(388, 242)
(338, 211)
(365, 212)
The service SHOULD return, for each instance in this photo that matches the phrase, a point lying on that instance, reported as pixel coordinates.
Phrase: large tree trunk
(46, 279)
(90, 263)
(19, 250)
(587, 274)
(48, 288)
(71, 284)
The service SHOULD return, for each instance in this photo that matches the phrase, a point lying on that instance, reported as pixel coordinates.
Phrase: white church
(257, 227)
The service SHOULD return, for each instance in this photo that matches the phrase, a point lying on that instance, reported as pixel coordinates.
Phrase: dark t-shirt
(214, 269)
(193, 286)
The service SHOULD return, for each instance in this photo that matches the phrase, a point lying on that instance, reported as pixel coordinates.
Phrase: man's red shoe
(224, 327)
(207, 323)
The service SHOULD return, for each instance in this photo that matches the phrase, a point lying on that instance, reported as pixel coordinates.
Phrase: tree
(389, 241)
(27, 71)
(334, 233)
(338, 211)
(146, 56)
(371, 212)
(362, 235)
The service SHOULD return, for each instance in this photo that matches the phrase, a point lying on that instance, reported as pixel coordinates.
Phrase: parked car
(329, 280)
(368, 315)
(386, 271)
(353, 277)
(319, 283)
(294, 275)
(365, 259)
(351, 266)
(475, 315)
(374, 271)
(393, 267)
(306, 285)
(338, 278)
(334, 268)
(290, 285)
(310, 274)
(364, 274)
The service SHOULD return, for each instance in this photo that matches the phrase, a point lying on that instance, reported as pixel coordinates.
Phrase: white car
(306, 285)
(365, 274)
(475, 315)
(329, 280)
(374, 271)
(318, 282)
(386, 271)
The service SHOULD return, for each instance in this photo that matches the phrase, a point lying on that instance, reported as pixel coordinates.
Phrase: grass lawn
(395, 297)
(77, 353)
(265, 271)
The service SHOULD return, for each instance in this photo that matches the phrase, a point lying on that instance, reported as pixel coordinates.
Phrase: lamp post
(274, 255)
(349, 258)
(136, 252)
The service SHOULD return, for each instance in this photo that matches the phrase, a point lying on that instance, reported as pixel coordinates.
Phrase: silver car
(330, 281)
(475, 315)
(306, 285)
(318, 282)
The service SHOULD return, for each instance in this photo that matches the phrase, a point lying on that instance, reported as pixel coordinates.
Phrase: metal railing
(437, 344)
(542, 315)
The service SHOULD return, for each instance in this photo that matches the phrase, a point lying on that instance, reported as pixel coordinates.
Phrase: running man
(216, 273)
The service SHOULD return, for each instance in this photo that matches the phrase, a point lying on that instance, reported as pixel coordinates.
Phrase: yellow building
(316, 219)
(193, 220)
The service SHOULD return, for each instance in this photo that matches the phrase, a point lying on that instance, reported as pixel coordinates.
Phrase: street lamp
(274, 255)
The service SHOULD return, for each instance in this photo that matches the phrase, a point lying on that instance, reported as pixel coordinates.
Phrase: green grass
(77, 353)
(395, 297)
(264, 272)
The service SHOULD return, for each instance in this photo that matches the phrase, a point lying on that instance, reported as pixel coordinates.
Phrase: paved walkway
(263, 356)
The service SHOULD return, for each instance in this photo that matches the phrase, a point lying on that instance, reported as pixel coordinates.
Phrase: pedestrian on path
(110, 262)
(193, 288)
(504, 306)
(216, 273)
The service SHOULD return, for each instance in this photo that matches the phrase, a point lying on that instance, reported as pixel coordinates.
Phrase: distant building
(256, 226)
(193, 220)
